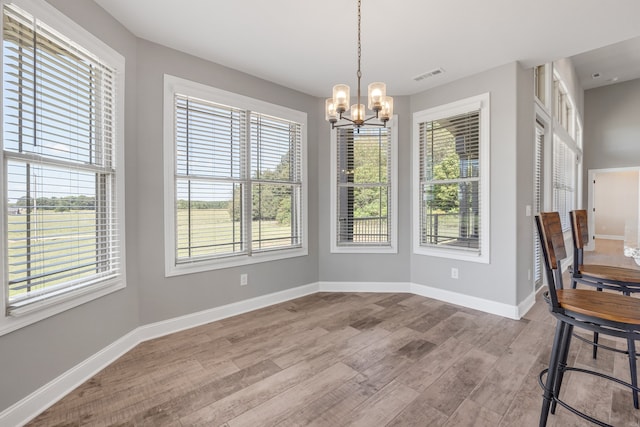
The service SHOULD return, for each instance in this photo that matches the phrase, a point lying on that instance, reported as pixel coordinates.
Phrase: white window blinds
(450, 182)
(238, 182)
(538, 198)
(59, 162)
(364, 207)
(564, 168)
(210, 179)
(276, 183)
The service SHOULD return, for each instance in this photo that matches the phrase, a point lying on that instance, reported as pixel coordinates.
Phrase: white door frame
(590, 213)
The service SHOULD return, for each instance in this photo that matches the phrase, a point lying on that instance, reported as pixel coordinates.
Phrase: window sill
(172, 269)
(363, 249)
(452, 254)
(50, 307)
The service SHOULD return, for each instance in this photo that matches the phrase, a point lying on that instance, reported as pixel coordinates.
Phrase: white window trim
(548, 93)
(574, 122)
(38, 311)
(563, 137)
(544, 117)
(367, 248)
(481, 102)
(173, 85)
(573, 143)
(548, 90)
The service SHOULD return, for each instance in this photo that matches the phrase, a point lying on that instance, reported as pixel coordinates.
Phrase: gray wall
(505, 280)
(36, 354)
(163, 298)
(367, 267)
(524, 192)
(611, 128)
(494, 281)
(50, 347)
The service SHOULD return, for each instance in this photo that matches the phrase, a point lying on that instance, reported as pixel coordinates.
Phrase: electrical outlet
(244, 279)
(454, 273)
(529, 274)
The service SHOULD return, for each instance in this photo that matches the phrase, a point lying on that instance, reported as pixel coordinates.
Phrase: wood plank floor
(360, 359)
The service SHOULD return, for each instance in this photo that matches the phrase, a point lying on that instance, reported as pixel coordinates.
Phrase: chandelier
(379, 102)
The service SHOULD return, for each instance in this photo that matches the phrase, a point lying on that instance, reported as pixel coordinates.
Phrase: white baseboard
(609, 237)
(28, 408)
(488, 306)
(31, 406)
(527, 304)
(402, 287)
(177, 324)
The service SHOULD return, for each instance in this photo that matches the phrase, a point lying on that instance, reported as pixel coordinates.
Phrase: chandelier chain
(359, 50)
(359, 42)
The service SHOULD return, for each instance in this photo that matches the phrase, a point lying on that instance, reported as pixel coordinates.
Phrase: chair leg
(562, 363)
(631, 345)
(595, 337)
(552, 372)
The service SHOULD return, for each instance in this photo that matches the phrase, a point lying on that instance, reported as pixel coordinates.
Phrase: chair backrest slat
(579, 228)
(551, 238)
(552, 242)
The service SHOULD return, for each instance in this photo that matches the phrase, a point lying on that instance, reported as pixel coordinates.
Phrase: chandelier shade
(377, 92)
(341, 97)
(379, 103)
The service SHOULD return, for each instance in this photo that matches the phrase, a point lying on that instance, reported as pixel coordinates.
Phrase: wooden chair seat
(607, 272)
(604, 305)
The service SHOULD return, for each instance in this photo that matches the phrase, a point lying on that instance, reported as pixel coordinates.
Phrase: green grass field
(50, 238)
(213, 233)
(70, 238)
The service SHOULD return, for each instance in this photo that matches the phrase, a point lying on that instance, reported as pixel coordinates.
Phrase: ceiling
(311, 45)
(615, 63)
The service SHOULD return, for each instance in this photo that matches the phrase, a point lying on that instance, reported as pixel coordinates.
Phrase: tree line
(202, 204)
(269, 201)
(58, 204)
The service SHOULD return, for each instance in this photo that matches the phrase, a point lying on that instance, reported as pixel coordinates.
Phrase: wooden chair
(607, 313)
(620, 279)
(625, 280)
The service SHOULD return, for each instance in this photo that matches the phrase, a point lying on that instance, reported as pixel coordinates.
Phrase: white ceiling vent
(428, 74)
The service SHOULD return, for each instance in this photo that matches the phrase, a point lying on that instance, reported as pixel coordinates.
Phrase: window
(567, 142)
(564, 167)
(539, 83)
(538, 199)
(563, 107)
(578, 133)
(235, 179)
(62, 163)
(364, 194)
(451, 176)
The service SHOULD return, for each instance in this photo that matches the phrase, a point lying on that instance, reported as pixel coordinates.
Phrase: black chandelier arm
(334, 126)
(384, 122)
(358, 125)
(341, 117)
(373, 117)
